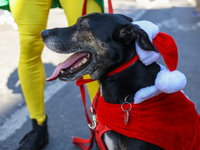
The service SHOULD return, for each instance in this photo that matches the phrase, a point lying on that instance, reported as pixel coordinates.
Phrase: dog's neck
(137, 76)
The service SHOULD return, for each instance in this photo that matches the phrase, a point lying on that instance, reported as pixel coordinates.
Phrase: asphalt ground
(63, 104)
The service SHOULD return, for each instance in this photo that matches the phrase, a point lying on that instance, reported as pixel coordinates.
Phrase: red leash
(110, 8)
(80, 142)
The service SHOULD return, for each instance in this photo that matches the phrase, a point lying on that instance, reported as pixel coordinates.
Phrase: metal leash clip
(94, 118)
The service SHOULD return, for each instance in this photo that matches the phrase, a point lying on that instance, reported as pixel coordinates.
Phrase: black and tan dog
(101, 43)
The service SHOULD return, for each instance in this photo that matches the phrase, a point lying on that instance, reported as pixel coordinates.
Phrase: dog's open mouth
(74, 64)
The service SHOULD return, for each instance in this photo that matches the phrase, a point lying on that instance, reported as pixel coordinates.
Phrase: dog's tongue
(66, 64)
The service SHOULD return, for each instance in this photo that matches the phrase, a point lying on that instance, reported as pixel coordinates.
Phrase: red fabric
(168, 49)
(168, 120)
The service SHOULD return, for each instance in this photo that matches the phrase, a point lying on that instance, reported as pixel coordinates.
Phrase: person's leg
(73, 9)
(31, 18)
(73, 12)
(93, 6)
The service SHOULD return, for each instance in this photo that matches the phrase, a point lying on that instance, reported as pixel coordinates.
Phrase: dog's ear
(125, 17)
(133, 33)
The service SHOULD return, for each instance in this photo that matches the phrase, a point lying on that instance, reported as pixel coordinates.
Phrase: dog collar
(82, 81)
(124, 66)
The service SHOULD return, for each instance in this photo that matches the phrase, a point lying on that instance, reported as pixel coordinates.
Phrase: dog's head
(99, 42)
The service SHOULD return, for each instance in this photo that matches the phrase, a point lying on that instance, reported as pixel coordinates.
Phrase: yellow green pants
(31, 18)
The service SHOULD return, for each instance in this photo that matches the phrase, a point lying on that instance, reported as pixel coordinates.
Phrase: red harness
(99, 128)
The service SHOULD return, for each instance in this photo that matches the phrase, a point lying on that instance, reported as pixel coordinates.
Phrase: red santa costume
(167, 120)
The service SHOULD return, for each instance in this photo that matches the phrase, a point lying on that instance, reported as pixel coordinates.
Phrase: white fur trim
(151, 29)
(166, 81)
(170, 82)
(147, 57)
(146, 93)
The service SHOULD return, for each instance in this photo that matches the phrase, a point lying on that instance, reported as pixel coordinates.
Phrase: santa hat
(168, 80)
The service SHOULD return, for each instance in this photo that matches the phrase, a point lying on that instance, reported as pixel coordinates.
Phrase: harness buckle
(94, 118)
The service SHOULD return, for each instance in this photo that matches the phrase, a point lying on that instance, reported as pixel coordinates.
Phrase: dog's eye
(81, 27)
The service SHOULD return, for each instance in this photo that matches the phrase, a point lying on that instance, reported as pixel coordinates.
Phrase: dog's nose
(44, 34)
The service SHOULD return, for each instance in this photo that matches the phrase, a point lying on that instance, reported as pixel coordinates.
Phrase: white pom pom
(170, 82)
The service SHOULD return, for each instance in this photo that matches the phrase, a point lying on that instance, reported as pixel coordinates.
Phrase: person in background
(31, 18)
(197, 9)
(5, 15)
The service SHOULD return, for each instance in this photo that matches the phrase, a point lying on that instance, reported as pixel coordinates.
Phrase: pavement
(65, 112)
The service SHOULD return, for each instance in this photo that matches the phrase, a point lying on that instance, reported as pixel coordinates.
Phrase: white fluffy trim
(146, 93)
(170, 82)
(147, 57)
(151, 29)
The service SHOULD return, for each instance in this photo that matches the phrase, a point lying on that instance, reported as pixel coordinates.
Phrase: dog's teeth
(62, 71)
(80, 64)
(84, 61)
(71, 70)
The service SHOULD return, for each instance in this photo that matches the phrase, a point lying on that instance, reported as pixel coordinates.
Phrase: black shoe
(36, 139)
